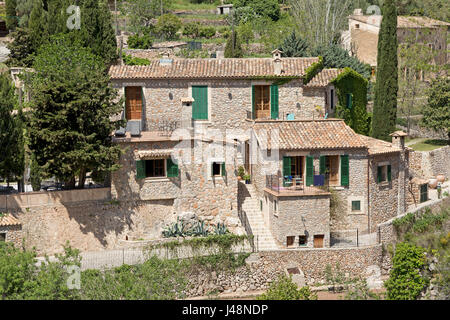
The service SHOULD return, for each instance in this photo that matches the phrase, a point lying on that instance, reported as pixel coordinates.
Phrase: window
(357, 26)
(290, 241)
(262, 102)
(133, 103)
(356, 205)
(384, 173)
(332, 99)
(302, 241)
(218, 169)
(156, 168)
(318, 241)
(275, 206)
(423, 193)
(329, 166)
(200, 105)
(2, 237)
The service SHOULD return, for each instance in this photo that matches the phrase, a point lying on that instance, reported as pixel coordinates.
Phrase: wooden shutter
(200, 105)
(349, 100)
(379, 172)
(345, 178)
(224, 170)
(133, 103)
(389, 174)
(423, 193)
(286, 168)
(253, 102)
(309, 170)
(172, 168)
(140, 169)
(274, 101)
(322, 164)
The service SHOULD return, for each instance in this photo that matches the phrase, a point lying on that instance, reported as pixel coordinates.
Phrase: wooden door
(133, 103)
(262, 102)
(318, 241)
(333, 166)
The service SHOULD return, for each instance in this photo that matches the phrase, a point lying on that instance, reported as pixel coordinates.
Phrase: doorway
(332, 165)
(318, 241)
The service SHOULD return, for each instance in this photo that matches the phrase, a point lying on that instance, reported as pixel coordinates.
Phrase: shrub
(285, 289)
(140, 42)
(233, 48)
(207, 32)
(245, 30)
(192, 30)
(405, 280)
(129, 60)
(168, 25)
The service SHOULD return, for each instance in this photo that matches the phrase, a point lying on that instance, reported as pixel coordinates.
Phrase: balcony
(292, 186)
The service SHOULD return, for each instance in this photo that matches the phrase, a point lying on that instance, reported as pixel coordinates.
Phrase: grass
(429, 145)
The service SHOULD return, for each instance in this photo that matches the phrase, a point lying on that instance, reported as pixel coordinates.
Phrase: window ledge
(157, 179)
(357, 213)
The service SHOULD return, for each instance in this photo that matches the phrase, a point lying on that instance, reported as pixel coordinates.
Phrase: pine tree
(72, 102)
(294, 46)
(22, 52)
(11, 132)
(386, 87)
(37, 24)
(233, 48)
(12, 20)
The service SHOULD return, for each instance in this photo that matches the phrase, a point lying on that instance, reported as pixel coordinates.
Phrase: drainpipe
(368, 194)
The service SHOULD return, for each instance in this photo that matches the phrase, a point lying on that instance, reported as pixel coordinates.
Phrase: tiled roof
(213, 69)
(379, 146)
(403, 21)
(307, 135)
(7, 219)
(323, 78)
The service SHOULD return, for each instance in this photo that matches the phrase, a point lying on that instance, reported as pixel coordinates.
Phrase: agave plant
(176, 229)
(220, 229)
(200, 230)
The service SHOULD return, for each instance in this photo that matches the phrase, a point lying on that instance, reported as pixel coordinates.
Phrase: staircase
(263, 238)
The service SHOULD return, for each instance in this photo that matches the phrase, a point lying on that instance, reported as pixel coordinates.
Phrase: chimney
(398, 139)
(165, 60)
(276, 54)
(220, 54)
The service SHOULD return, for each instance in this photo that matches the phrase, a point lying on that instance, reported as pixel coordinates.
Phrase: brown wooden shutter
(133, 103)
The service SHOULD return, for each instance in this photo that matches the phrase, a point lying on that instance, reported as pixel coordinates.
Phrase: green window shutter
(224, 170)
(309, 170)
(140, 169)
(349, 100)
(253, 102)
(423, 193)
(200, 105)
(345, 177)
(389, 175)
(172, 169)
(286, 168)
(379, 174)
(125, 104)
(322, 164)
(274, 101)
(356, 205)
(212, 169)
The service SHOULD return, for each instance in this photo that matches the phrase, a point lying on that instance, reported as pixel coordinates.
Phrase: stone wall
(264, 267)
(13, 234)
(429, 164)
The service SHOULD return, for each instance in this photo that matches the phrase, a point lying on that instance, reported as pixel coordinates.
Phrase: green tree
(140, 13)
(405, 280)
(22, 51)
(285, 289)
(245, 31)
(12, 20)
(294, 46)
(436, 114)
(386, 87)
(72, 102)
(23, 9)
(168, 26)
(11, 132)
(233, 48)
(35, 174)
(37, 24)
(262, 8)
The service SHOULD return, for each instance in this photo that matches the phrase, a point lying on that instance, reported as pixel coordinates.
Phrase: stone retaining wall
(428, 164)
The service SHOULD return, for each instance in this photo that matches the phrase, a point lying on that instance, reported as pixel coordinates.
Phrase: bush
(262, 8)
(192, 30)
(168, 26)
(245, 30)
(285, 289)
(140, 42)
(233, 48)
(129, 60)
(405, 280)
(207, 32)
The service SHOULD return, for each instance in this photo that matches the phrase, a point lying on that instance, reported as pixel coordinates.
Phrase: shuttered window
(309, 170)
(349, 100)
(274, 101)
(345, 177)
(224, 170)
(384, 173)
(133, 103)
(253, 102)
(200, 105)
(356, 205)
(322, 164)
(423, 193)
(172, 169)
(140, 169)
(286, 169)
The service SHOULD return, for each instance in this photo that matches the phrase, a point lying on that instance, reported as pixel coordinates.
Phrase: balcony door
(332, 164)
(262, 102)
(133, 103)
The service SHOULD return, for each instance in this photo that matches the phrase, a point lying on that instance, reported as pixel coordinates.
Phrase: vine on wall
(312, 71)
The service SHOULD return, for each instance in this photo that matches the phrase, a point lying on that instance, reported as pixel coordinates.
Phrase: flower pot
(239, 178)
(247, 181)
(440, 178)
(432, 183)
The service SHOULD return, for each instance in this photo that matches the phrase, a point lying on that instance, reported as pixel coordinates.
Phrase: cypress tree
(12, 20)
(233, 48)
(386, 87)
(37, 24)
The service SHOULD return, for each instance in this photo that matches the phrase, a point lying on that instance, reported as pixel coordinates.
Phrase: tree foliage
(294, 46)
(12, 20)
(11, 132)
(386, 87)
(168, 26)
(72, 102)
(436, 114)
(261, 8)
(141, 12)
(233, 48)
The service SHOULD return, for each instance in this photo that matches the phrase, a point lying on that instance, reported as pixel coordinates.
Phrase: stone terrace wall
(429, 164)
(264, 267)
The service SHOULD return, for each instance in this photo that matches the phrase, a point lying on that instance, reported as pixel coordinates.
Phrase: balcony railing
(292, 185)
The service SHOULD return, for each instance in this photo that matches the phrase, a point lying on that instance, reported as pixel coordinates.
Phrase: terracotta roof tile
(212, 69)
(379, 146)
(323, 78)
(307, 135)
(7, 219)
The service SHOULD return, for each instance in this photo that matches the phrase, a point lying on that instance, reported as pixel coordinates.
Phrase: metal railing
(295, 184)
(248, 229)
(353, 238)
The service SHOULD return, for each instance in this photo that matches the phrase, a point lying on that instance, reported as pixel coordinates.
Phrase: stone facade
(12, 234)
(429, 164)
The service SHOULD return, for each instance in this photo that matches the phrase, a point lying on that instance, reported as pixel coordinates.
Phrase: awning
(155, 154)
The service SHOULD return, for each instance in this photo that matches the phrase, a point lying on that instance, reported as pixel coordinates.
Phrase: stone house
(191, 124)
(10, 229)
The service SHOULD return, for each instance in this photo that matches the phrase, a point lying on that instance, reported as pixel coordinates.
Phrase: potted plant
(241, 173)
(247, 178)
